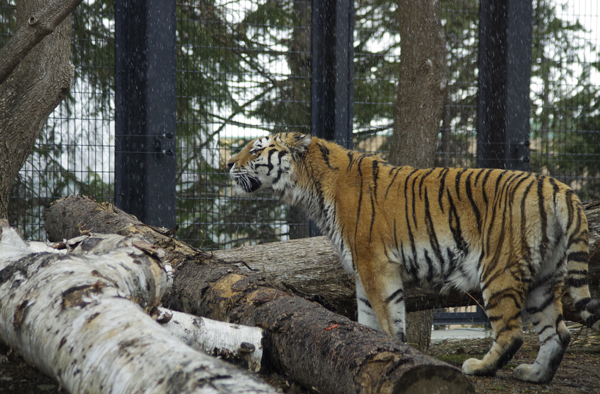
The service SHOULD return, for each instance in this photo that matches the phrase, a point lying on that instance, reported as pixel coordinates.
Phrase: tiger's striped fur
(514, 234)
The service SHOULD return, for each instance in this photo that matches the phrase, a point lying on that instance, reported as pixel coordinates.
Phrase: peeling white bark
(73, 317)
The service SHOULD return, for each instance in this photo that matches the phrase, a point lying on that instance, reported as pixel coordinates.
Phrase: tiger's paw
(474, 366)
(532, 373)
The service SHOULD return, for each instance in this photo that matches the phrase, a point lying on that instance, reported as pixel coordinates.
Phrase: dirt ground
(579, 371)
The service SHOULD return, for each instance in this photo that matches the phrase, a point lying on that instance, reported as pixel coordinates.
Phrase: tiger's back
(513, 234)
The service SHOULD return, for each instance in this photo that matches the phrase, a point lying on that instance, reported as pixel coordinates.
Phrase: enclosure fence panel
(244, 70)
(565, 94)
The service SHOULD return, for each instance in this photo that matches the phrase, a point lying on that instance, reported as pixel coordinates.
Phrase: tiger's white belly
(451, 269)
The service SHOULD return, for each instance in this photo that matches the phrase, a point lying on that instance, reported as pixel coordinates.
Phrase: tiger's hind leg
(503, 304)
(544, 306)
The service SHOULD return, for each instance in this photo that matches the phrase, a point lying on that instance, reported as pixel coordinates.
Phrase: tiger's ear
(303, 141)
(297, 142)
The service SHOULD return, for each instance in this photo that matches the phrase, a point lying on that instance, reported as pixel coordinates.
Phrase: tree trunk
(31, 92)
(80, 319)
(72, 216)
(303, 340)
(419, 103)
(38, 26)
(307, 267)
(421, 84)
(310, 268)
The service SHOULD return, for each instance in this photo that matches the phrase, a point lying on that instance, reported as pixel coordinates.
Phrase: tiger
(519, 237)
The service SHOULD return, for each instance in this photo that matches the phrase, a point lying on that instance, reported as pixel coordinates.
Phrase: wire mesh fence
(565, 94)
(243, 70)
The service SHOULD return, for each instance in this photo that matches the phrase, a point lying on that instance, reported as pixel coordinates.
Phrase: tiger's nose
(229, 165)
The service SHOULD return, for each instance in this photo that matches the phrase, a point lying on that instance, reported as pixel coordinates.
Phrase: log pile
(303, 340)
(107, 282)
(83, 318)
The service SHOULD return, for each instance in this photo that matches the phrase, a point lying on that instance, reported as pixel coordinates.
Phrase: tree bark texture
(306, 267)
(421, 84)
(38, 26)
(419, 103)
(72, 216)
(310, 268)
(80, 319)
(30, 93)
(308, 343)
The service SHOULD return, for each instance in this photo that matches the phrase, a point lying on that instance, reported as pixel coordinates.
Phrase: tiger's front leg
(380, 297)
(366, 313)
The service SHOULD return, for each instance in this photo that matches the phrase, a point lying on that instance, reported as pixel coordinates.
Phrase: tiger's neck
(312, 183)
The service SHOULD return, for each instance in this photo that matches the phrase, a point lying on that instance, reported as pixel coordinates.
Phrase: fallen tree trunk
(234, 343)
(72, 216)
(306, 267)
(73, 317)
(312, 345)
(310, 268)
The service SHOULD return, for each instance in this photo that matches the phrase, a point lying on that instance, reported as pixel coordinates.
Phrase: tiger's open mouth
(246, 182)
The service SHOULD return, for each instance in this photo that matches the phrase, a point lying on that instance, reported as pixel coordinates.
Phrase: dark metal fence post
(332, 86)
(145, 110)
(505, 36)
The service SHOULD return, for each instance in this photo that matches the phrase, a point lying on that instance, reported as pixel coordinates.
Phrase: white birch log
(233, 342)
(72, 316)
(230, 341)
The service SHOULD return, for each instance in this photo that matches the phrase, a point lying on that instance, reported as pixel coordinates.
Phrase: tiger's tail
(576, 229)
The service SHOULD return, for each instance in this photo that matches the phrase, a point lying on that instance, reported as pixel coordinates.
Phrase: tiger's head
(266, 163)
